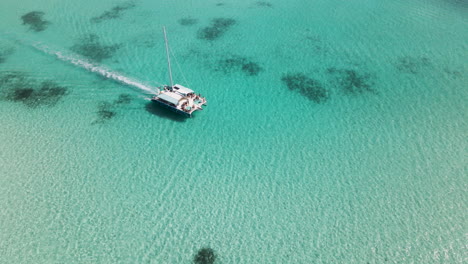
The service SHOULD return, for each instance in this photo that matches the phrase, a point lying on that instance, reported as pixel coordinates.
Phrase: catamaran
(177, 98)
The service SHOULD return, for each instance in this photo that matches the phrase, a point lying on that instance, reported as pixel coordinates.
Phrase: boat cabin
(172, 98)
(184, 91)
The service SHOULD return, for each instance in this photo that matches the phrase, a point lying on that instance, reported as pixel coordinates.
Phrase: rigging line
(178, 66)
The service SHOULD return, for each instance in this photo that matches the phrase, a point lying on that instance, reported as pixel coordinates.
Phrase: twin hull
(172, 108)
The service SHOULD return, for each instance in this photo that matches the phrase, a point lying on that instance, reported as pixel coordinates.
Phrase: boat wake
(101, 70)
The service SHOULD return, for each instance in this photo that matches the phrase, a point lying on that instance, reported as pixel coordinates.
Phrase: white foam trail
(98, 69)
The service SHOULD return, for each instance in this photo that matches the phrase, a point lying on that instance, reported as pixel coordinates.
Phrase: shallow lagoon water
(371, 173)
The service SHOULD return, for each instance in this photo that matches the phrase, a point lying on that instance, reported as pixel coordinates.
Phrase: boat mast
(168, 58)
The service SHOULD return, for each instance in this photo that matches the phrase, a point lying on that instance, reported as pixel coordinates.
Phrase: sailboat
(177, 98)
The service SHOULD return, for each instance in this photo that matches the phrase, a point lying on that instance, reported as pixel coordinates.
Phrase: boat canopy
(172, 98)
(182, 89)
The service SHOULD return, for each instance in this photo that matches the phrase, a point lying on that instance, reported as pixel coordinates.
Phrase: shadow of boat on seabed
(159, 111)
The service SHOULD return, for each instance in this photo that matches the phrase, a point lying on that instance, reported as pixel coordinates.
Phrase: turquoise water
(366, 164)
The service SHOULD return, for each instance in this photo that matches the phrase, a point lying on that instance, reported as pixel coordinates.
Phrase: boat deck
(192, 103)
(195, 102)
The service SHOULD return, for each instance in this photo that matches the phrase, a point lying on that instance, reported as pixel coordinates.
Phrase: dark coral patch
(35, 21)
(205, 256)
(230, 64)
(314, 42)
(308, 87)
(114, 13)
(21, 94)
(149, 43)
(264, 4)
(216, 29)
(251, 68)
(187, 21)
(123, 99)
(412, 65)
(453, 73)
(351, 81)
(90, 47)
(18, 87)
(105, 112)
(49, 93)
(11, 79)
(236, 63)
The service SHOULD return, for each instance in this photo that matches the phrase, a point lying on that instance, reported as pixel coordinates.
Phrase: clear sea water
(366, 164)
